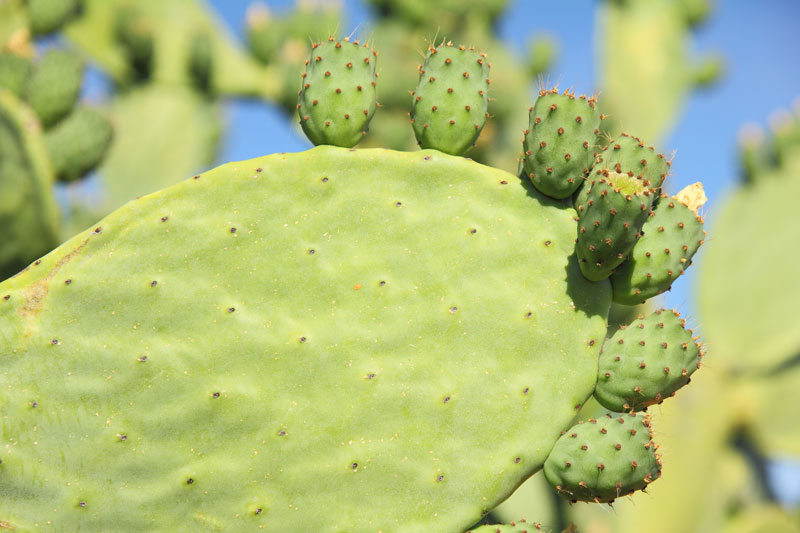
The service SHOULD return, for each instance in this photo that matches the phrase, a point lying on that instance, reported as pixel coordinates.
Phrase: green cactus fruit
(670, 238)
(628, 155)
(285, 341)
(14, 71)
(47, 16)
(603, 459)
(55, 84)
(78, 143)
(337, 97)
(201, 60)
(28, 212)
(560, 142)
(263, 34)
(646, 362)
(450, 102)
(135, 31)
(611, 219)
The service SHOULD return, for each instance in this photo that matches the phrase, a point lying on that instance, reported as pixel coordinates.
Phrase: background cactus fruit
(78, 143)
(601, 460)
(14, 71)
(28, 213)
(646, 362)
(278, 336)
(560, 142)
(450, 102)
(670, 238)
(611, 219)
(54, 85)
(337, 98)
(47, 16)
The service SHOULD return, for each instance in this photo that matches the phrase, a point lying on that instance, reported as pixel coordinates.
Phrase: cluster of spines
(646, 362)
(450, 103)
(559, 144)
(338, 94)
(603, 459)
(670, 238)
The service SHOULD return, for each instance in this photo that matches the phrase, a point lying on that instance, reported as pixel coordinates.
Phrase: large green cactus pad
(332, 340)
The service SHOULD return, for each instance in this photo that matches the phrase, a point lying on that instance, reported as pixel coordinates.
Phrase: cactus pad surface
(287, 335)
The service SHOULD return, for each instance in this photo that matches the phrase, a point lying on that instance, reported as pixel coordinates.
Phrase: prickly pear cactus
(333, 330)
(451, 100)
(28, 213)
(342, 75)
(603, 459)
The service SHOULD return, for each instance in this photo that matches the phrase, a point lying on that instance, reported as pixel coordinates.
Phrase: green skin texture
(491, 332)
(646, 362)
(601, 466)
(14, 71)
(629, 155)
(520, 527)
(670, 238)
(54, 85)
(560, 142)
(603, 240)
(451, 101)
(78, 143)
(338, 97)
(47, 16)
(28, 213)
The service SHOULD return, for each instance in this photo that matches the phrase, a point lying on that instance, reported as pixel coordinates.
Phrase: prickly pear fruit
(646, 362)
(610, 221)
(560, 142)
(670, 238)
(47, 16)
(337, 98)
(603, 459)
(28, 212)
(54, 85)
(298, 306)
(14, 71)
(628, 155)
(450, 102)
(78, 143)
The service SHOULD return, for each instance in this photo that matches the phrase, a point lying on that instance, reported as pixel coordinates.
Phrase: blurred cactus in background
(45, 134)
